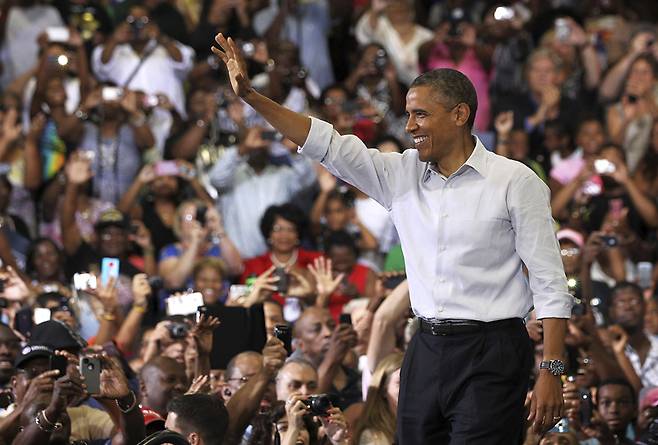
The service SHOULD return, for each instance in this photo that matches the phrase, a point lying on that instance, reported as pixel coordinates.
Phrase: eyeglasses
(140, 20)
(280, 228)
(572, 251)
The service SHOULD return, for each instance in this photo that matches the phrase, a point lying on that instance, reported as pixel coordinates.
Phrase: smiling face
(432, 124)
(46, 261)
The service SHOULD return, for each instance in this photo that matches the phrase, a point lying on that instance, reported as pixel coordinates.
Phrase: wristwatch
(555, 367)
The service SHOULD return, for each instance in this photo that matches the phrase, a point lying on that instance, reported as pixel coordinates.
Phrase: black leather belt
(456, 327)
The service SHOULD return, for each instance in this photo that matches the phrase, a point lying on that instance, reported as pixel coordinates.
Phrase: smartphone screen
(41, 315)
(109, 269)
(185, 304)
(166, 168)
(345, 319)
(58, 34)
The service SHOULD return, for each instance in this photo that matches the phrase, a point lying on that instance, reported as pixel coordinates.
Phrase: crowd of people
(194, 273)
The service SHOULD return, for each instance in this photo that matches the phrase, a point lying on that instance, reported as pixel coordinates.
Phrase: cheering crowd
(171, 262)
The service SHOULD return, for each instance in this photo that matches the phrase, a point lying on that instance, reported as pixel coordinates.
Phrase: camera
(178, 330)
(609, 240)
(381, 60)
(201, 214)
(318, 404)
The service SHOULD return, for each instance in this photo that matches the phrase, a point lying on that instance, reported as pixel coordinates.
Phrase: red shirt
(359, 278)
(253, 267)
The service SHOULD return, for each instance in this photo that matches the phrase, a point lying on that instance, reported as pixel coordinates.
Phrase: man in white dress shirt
(469, 221)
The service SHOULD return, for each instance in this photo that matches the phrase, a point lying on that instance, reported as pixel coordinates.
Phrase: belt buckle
(435, 328)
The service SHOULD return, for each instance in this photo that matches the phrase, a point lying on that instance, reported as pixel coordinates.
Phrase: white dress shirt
(465, 238)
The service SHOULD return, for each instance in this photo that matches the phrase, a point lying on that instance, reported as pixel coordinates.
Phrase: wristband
(108, 316)
(44, 424)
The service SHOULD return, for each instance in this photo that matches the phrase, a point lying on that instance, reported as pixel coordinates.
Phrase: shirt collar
(477, 161)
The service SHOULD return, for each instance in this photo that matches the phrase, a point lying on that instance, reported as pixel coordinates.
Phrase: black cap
(32, 351)
(57, 335)
(112, 217)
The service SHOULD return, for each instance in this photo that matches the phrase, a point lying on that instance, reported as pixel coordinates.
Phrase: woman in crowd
(201, 234)
(630, 120)
(283, 227)
(209, 275)
(162, 185)
(391, 24)
(377, 424)
(45, 266)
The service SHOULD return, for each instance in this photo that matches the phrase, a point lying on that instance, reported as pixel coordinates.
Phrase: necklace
(284, 264)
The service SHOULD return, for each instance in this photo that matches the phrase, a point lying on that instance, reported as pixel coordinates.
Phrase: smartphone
(90, 369)
(201, 310)
(284, 281)
(284, 333)
(60, 363)
(201, 214)
(84, 281)
(603, 166)
(503, 13)
(58, 34)
(111, 94)
(166, 168)
(23, 322)
(109, 269)
(644, 274)
(345, 319)
(562, 29)
(41, 315)
(184, 304)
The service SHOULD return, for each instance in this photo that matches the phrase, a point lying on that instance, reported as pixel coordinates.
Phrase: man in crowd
(202, 419)
(161, 380)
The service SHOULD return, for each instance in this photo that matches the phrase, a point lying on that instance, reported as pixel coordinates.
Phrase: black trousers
(465, 389)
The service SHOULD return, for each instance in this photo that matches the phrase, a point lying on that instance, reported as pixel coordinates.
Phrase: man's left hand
(547, 402)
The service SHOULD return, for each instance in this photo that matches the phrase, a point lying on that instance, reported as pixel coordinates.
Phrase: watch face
(556, 367)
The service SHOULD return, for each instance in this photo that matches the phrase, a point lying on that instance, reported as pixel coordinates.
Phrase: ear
(194, 439)
(463, 112)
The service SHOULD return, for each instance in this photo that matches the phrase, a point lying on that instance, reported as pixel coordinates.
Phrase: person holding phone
(468, 220)
(201, 234)
(629, 120)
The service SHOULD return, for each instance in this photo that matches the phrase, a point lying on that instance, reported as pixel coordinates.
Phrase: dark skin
(616, 406)
(47, 262)
(627, 310)
(162, 380)
(448, 145)
(9, 345)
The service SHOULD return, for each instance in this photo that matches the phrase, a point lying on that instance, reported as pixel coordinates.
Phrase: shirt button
(442, 280)
(445, 215)
(442, 248)
(440, 309)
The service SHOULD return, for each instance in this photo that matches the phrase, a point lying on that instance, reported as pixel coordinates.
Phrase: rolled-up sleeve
(536, 243)
(348, 158)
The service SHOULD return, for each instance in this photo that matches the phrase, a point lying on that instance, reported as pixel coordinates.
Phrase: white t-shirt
(159, 73)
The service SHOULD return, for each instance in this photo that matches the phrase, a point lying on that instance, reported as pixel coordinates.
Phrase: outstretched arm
(345, 156)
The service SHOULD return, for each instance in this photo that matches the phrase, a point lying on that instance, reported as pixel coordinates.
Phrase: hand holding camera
(274, 355)
(343, 339)
(335, 425)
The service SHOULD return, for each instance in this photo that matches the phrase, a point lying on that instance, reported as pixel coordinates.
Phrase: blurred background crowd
(161, 238)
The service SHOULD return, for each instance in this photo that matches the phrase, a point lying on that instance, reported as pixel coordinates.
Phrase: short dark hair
(231, 366)
(453, 87)
(289, 212)
(619, 382)
(203, 414)
(340, 238)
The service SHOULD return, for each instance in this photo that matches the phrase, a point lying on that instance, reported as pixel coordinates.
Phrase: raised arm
(345, 156)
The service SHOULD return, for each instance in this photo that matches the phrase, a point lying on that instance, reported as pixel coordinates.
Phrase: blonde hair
(377, 415)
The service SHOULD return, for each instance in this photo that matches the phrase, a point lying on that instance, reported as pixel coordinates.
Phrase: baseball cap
(31, 351)
(571, 235)
(57, 335)
(111, 217)
(152, 420)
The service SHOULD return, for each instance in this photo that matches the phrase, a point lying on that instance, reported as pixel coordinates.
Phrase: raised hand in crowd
(325, 282)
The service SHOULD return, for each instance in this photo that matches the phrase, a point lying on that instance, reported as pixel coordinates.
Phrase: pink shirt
(472, 68)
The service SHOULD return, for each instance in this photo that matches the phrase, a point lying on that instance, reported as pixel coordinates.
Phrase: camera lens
(90, 366)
